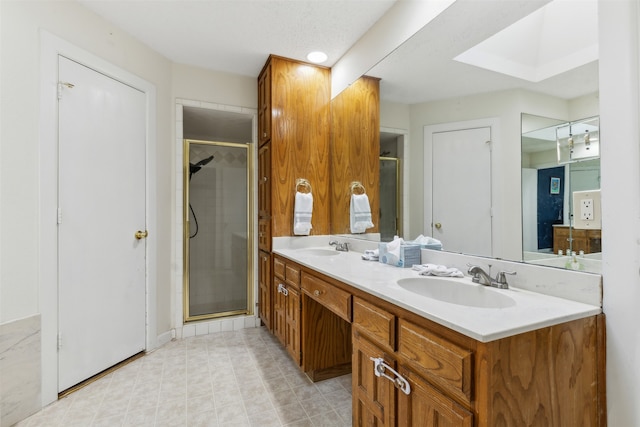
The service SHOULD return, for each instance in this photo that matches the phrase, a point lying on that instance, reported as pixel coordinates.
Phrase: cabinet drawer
(292, 275)
(379, 324)
(278, 267)
(325, 293)
(443, 363)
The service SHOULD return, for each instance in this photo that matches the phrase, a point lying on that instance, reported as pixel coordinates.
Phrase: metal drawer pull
(317, 293)
(380, 368)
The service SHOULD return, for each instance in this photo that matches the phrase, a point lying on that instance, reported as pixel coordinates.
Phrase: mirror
(557, 170)
(422, 84)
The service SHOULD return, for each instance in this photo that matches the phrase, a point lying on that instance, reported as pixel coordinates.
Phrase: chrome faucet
(481, 276)
(342, 247)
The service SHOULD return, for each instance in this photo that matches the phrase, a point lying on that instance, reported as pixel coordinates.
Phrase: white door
(461, 168)
(101, 283)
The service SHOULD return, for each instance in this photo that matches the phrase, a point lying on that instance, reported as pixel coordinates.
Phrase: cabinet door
(427, 407)
(373, 397)
(264, 181)
(264, 234)
(292, 322)
(279, 310)
(264, 106)
(264, 288)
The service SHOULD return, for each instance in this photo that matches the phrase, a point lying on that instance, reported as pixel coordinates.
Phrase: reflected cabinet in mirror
(561, 224)
(355, 159)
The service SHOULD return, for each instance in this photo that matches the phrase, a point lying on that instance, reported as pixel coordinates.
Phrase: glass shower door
(217, 235)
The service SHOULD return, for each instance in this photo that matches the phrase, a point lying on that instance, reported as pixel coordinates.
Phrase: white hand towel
(437, 270)
(371, 255)
(360, 213)
(302, 214)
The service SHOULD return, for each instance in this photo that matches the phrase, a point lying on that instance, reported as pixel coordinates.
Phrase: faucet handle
(502, 279)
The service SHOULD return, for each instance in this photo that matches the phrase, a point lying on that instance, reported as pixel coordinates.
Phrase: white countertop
(532, 310)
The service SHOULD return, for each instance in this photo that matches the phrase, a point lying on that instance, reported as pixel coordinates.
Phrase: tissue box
(434, 246)
(409, 255)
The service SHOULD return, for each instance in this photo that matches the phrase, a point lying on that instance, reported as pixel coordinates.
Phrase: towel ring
(357, 188)
(301, 182)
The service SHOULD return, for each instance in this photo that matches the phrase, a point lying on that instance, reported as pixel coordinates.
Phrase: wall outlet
(586, 209)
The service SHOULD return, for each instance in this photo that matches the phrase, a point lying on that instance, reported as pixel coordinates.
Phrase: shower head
(194, 168)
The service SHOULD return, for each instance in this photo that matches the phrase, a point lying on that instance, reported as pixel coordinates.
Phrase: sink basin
(455, 292)
(318, 252)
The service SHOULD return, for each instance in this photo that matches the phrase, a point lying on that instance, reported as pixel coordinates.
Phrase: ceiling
(236, 36)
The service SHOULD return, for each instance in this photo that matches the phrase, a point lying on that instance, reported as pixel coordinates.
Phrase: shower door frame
(398, 162)
(249, 311)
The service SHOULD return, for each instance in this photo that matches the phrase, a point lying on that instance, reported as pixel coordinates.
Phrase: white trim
(494, 124)
(50, 48)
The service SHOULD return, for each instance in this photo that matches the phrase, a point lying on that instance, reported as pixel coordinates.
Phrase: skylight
(558, 37)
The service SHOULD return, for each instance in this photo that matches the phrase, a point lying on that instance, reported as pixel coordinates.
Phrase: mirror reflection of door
(461, 190)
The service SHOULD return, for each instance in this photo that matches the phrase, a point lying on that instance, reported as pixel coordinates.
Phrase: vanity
(530, 359)
(485, 357)
(587, 241)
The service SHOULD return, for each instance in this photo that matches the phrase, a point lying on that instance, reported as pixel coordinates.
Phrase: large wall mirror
(423, 84)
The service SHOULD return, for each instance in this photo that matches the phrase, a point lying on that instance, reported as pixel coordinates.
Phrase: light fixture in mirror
(578, 140)
(551, 228)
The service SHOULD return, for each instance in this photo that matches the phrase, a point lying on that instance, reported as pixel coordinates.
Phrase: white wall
(20, 25)
(620, 158)
(394, 115)
(198, 84)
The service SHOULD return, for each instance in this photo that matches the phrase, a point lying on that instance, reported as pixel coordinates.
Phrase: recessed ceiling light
(317, 57)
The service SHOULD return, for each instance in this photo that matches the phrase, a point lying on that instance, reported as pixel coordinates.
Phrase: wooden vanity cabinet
(377, 400)
(549, 377)
(589, 241)
(287, 306)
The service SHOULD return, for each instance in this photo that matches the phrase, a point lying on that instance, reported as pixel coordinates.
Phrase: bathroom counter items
(531, 310)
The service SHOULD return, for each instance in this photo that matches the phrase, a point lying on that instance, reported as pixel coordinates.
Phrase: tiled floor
(242, 378)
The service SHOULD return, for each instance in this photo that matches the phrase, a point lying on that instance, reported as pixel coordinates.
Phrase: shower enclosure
(389, 198)
(217, 236)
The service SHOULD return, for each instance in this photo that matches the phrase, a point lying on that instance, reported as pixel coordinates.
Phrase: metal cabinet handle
(317, 293)
(283, 290)
(380, 368)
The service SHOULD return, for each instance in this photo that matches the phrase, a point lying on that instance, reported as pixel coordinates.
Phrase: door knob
(438, 225)
(141, 234)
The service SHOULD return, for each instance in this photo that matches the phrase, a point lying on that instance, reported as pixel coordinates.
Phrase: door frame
(494, 124)
(182, 329)
(50, 48)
